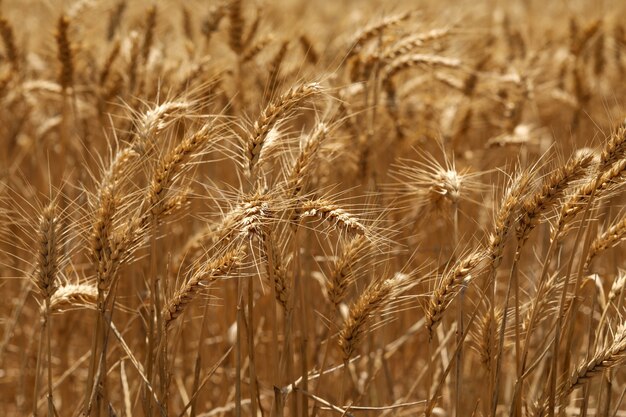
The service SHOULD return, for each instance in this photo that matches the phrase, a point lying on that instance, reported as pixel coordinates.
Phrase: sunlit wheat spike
(49, 252)
(200, 279)
(276, 110)
(332, 213)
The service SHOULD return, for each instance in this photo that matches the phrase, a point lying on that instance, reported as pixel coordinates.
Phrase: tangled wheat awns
(241, 208)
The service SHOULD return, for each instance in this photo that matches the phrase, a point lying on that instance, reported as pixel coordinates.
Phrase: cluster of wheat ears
(236, 207)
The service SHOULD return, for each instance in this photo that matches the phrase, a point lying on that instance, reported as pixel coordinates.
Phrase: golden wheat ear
(440, 187)
(49, 252)
(47, 275)
(408, 44)
(601, 185)
(235, 32)
(451, 284)
(200, 279)
(10, 48)
(344, 270)
(611, 237)
(605, 358)
(72, 296)
(65, 53)
(332, 213)
(271, 115)
(376, 29)
(148, 35)
(552, 189)
(172, 165)
(372, 301)
(480, 339)
(303, 165)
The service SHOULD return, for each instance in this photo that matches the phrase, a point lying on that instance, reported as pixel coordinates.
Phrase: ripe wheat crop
(312, 208)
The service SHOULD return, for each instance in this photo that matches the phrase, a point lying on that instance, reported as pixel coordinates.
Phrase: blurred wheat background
(293, 208)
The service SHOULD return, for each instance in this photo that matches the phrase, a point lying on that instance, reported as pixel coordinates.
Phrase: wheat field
(312, 208)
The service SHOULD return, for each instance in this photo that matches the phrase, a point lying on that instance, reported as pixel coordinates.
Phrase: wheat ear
(610, 172)
(615, 148)
(450, 286)
(74, 295)
(551, 191)
(303, 164)
(200, 279)
(272, 114)
(48, 256)
(607, 358)
(249, 218)
(611, 237)
(276, 265)
(46, 279)
(408, 44)
(170, 167)
(235, 32)
(115, 18)
(374, 30)
(148, 35)
(106, 246)
(65, 53)
(598, 186)
(370, 302)
(414, 60)
(8, 39)
(155, 120)
(332, 213)
(343, 274)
